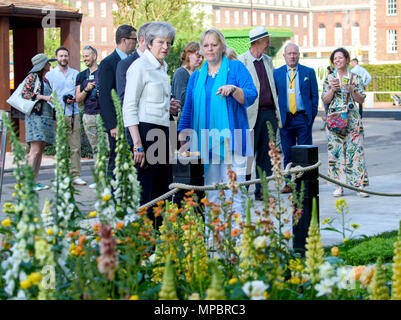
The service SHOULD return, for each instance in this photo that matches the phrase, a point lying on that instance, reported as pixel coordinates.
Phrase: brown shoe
(286, 189)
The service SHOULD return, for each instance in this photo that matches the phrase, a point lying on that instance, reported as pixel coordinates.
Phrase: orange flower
(190, 193)
(96, 227)
(235, 232)
(236, 215)
(287, 234)
(81, 240)
(334, 251)
(357, 271)
(215, 222)
(222, 227)
(119, 225)
(185, 227)
(229, 202)
(160, 203)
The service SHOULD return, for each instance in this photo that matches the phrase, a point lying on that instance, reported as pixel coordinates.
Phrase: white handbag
(18, 102)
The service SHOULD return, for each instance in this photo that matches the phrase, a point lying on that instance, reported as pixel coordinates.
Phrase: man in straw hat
(265, 107)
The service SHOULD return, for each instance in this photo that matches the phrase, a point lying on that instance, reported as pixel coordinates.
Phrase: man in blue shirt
(364, 74)
(298, 99)
(62, 79)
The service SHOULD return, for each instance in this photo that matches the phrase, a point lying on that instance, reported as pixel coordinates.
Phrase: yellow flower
(341, 205)
(327, 220)
(355, 225)
(345, 239)
(106, 197)
(295, 280)
(25, 284)
(134, 297)
(266, 295)
(49, 232)
(35, 278)
(92, 214)
(334, 251)
(6, 222)
(97, 239)
(35, 219)
(232, 281)
(135, 224)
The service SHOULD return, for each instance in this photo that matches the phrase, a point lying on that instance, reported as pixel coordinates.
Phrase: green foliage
(52, 41)
(368, 251)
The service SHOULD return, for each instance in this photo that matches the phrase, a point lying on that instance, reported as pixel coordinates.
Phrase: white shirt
(63, 85)
(147, 92)
(363, 73)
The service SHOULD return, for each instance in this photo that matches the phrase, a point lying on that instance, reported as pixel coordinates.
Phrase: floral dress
(346, 154)
(39, 125)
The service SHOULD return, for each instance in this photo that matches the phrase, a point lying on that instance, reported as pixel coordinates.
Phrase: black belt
(298, 112)
(272, 107)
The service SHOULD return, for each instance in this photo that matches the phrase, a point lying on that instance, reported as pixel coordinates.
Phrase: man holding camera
(62, 79)
(86, 91)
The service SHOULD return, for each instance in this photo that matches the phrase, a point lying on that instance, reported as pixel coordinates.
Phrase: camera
(93, 95)
(67, 97)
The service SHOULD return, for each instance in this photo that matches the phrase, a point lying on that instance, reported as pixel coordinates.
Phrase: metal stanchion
(3, 148)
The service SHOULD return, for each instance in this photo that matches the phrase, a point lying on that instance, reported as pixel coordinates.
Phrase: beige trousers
(74, 141)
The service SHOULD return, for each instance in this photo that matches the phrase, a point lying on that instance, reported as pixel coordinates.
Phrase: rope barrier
(376, 193)
(295, 172)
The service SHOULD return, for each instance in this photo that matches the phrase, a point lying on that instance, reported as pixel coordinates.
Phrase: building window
(305, 21)
(288, 20)
(236, 17)
(254, 18)
(245, 18)
(91, 9)
(321, 35)
(263, 18)
(391, 41)
(280, 19)
(305, 40)
(355, 33)
(91, 34)
(338, 35)
(104, 54)
(104, 34)
(296, 39)
(391, 7)
(271, 22)
(218, 16)
(103, 9)
(227, 17)
(296, 20)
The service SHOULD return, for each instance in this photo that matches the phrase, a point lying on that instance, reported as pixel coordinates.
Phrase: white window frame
(218, 16)
(305, 20)
(245, 18)
(391, 7)
(338, 35)
(103, 9)
(280, 20)
(321, 36)
(91, 8)
(271, 19)
(236, 17)
(227, 16)
(355, 34)
(263, 18)
(392, 41)
(103, 33)
(92, 34)
(255, 17)
(296, 20)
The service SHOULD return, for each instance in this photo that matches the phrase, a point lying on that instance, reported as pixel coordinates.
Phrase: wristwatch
(233, 89)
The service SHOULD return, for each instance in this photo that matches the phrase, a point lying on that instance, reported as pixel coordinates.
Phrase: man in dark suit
(126, 42)
(298, 99)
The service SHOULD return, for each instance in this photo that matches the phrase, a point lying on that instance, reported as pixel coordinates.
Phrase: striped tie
(292, 101)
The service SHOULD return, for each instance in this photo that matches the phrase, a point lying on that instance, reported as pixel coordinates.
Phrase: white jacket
(147, 92)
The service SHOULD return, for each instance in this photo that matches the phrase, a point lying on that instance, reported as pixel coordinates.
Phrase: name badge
(291, 91)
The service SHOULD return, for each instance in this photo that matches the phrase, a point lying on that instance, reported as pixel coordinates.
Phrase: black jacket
(121, 74)
(107, 82)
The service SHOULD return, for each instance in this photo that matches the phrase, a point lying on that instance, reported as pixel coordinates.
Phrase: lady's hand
(139, 155)
(226, 90)
(335, 84)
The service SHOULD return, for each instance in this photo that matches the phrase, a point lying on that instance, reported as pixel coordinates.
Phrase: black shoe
(258, 197)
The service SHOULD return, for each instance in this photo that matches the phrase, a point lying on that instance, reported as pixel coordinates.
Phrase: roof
(238, 39)
(35, 8)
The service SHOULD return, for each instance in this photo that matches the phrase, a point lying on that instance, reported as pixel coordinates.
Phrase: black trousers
(261, 144)
(112, 156)
(154, 178)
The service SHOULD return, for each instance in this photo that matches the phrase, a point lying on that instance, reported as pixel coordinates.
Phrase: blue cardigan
(239, 76)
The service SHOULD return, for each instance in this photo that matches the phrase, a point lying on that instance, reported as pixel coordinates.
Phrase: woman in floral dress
(345, 152)
(39, 125)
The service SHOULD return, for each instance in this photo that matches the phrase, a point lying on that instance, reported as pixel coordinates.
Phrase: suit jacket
(308, 87)
(121, 74)
(107, 82)
(247, 59)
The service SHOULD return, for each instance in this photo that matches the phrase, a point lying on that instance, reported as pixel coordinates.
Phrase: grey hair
(289, 44)
(159, 29)
(217, 35)
(142, 30)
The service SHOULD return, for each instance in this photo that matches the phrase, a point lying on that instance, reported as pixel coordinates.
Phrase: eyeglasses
(136, 39)
(161, 42)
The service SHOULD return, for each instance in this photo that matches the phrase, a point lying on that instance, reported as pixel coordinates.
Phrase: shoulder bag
(337, 122)
(21, 104)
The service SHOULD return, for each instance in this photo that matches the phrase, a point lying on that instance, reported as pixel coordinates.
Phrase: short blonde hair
(217, 35)
(231, 54)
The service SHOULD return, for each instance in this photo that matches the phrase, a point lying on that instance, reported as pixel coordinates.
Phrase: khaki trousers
(89, 121)
(74, 141)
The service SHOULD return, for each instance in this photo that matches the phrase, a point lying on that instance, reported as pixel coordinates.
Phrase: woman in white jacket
(146, 111)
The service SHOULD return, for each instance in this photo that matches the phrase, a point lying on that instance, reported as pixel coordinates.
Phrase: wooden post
(305, 156)
(71, 40)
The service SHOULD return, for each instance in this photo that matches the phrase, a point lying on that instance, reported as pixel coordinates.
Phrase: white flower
(344, 279)
(261, 242)
(152, 258)
(21, 295)
(324, 287)
(9, 289)
(255, 289)
(326, 270)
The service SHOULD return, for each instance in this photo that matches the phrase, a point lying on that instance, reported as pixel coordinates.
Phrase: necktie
(292, 101)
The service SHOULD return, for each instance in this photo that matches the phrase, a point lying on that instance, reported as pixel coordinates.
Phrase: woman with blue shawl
(215, 115)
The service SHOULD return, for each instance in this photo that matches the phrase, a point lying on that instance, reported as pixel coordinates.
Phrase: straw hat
(39, 61)
(258, 33)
